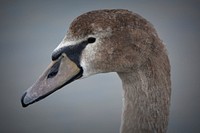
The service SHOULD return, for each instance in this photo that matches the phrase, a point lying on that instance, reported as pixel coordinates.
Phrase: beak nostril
(54, 70)
(52, 74)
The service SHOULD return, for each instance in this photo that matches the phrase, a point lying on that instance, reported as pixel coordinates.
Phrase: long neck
(146, 101)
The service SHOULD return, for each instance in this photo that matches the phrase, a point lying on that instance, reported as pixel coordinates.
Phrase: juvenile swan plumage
(114, 41)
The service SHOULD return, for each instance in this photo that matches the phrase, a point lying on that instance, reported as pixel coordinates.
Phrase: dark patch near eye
(73, 52)
(91, 40)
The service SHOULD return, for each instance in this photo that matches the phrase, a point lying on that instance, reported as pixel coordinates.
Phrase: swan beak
(59, 73)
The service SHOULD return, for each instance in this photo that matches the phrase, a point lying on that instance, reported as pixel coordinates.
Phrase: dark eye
(91, 40)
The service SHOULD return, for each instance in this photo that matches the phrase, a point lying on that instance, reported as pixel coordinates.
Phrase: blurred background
(30, 30)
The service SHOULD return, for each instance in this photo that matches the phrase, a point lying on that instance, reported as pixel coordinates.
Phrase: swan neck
(145, 103)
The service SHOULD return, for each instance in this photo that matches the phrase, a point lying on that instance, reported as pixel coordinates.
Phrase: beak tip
(23, 100)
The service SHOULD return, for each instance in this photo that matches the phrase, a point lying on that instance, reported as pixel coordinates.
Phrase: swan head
(96, 42)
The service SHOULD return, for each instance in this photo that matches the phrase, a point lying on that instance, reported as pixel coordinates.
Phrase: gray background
(30, 30)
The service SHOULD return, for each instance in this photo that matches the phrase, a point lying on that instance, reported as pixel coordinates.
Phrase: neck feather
(145, 100)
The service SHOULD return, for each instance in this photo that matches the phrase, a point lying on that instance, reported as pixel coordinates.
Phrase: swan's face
(89, 52)
(96, 42)
(93, 53)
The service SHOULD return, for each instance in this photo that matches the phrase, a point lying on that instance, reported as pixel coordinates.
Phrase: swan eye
(91, 40)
